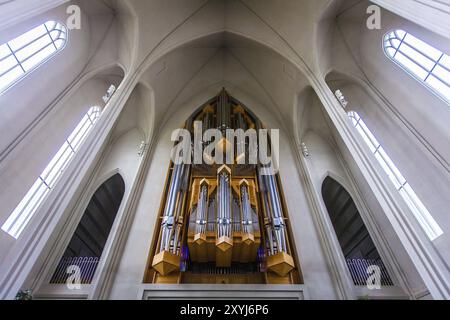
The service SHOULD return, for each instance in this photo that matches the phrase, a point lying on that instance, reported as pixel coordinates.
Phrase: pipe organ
(223, 223)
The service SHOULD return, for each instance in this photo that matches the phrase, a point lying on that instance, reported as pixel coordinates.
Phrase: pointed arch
(89, 239)
(354, 239)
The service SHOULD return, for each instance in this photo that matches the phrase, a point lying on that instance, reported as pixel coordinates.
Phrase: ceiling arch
(230, 60)
(267, 50)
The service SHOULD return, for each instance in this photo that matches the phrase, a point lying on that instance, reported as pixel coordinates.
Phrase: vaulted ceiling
(265, 49)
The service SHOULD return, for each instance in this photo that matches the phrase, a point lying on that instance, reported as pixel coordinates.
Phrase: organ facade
(223, 222)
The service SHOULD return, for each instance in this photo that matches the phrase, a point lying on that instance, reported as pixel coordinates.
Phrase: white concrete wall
(330, 157)
(120, 156)
(425, 177)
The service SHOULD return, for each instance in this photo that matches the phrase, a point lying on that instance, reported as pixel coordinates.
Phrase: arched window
(49, 177)
(421, 213)
(23, 54)
(427, 64)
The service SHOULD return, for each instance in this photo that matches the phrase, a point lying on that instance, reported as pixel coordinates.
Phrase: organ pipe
(224, 209)
(167, 260)
(202, 209)
(223, 112)
(267, 215)
(278, 224)
(168, 219)
(224, 234)
(247, 222)
(279, 261)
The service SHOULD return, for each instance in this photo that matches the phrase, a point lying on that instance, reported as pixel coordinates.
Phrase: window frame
(409, 72)
(422, 215)
(25, 74)
(48, 179)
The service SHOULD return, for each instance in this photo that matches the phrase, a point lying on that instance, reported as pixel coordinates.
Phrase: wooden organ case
(223, 223)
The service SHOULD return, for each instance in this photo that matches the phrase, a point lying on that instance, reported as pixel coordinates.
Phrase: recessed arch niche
(354, 239)
(88, 242)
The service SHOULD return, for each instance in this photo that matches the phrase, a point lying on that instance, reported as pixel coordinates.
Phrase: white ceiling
(182, 48)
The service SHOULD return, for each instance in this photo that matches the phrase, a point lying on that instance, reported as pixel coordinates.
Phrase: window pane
(57, 165)
(60, 43)
(370, 139)
(81, 133)
(18, 219)
(411, 66)
(56, 35)
(445, 61)
(439, 86)
(395, 175)
(28, 37)
(391, 51)
(95, 112)
(22, 205)
(423, 216)
(78, 128)
(420, 59)
(443, 74)
(387, 170)
(35, 202)
(31, 49)
(4, 51)
(10, 77)
(400, 34)
(423, 47)
(7, 64)
(38, 58)
(51, 25)
(34, 47)
(395, 43)
(417, 57)
(47, 180)
(421, 213)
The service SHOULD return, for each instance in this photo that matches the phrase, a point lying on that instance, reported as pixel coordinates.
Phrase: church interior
(354, 93)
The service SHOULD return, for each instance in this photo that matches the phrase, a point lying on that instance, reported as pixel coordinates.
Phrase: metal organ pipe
(168, 220)
(240, 123)
(207, 119)
(247, 222)
(223, 112)
(275, 226)
(277, 213)
(267, 215)
(176, 231)
(182, 191)
(224, 209)
(202, 210)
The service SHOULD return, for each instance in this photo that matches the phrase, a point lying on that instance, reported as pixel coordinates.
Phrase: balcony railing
(359, 269)
(86, 265)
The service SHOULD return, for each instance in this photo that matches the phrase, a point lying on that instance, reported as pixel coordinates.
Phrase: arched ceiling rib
(189, 46)
(230, 60)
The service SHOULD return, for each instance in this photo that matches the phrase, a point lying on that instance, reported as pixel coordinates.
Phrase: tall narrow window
(421, 213)
(23, 54)
(49, 177)
(426, 63)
